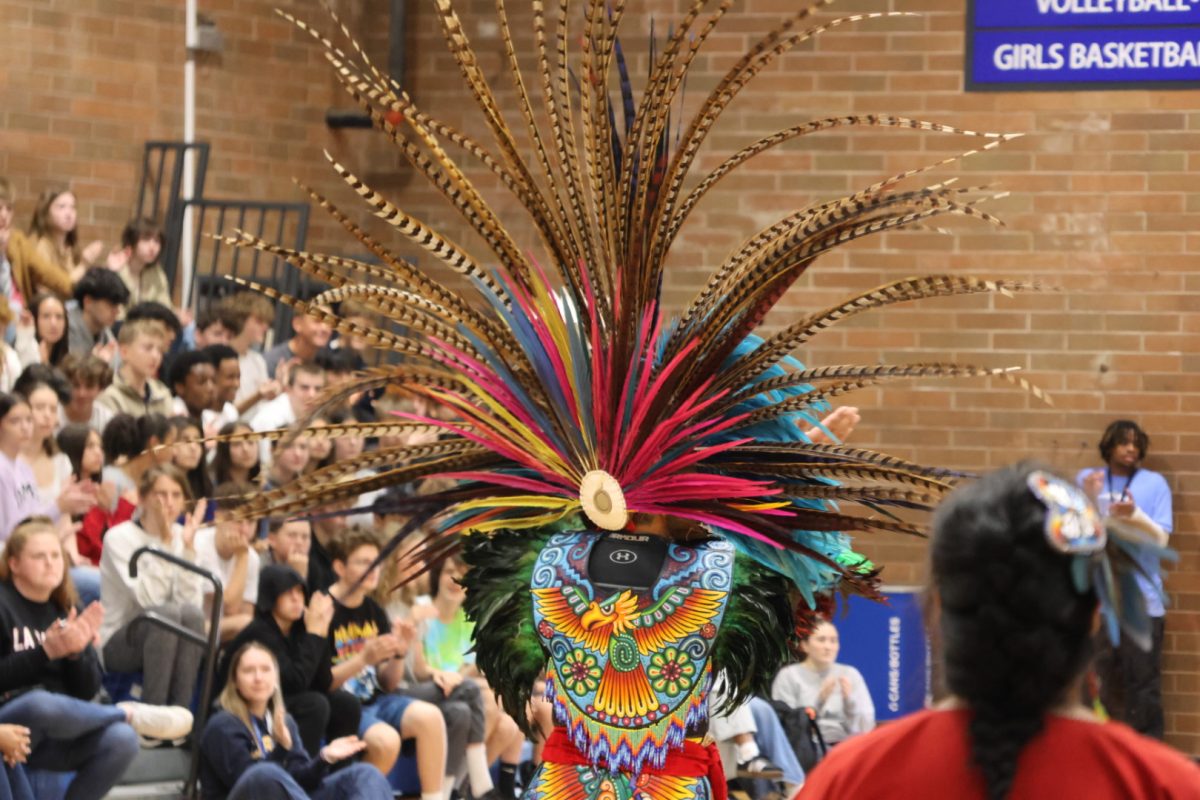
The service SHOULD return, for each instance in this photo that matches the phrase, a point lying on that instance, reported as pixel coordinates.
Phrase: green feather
(499, 602)
(756, 634)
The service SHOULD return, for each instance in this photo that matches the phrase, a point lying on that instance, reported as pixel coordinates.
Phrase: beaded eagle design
(630, 672)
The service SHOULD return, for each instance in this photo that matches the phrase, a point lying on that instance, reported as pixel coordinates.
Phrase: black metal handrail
(212, 642)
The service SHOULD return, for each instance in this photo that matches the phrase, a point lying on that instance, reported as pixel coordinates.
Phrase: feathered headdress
(572, 390)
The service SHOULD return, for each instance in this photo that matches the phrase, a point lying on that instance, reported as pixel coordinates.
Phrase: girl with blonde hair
(251, 748)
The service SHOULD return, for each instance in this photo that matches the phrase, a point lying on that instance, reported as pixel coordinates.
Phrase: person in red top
(1015, 561)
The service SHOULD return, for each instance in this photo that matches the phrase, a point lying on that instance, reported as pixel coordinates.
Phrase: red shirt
(96, 522)
(927, 755)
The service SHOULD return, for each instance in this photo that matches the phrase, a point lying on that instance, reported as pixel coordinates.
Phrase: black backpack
(803, 733)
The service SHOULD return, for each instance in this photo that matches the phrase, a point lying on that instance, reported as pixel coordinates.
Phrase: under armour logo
(622, 556)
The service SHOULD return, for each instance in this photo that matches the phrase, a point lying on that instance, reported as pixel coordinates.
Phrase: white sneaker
(158, 722)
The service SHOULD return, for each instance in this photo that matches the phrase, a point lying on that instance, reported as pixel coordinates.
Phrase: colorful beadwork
(564, 782)
(630, 672)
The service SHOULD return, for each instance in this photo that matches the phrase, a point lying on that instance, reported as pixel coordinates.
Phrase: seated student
(238, 460)
(444, 653)
(468, 719)
(339, 366)
(193, 379)
(83, 447)
(142, 242)
(837, 692)
(251, 749)
(225, 550)
(18, 487)
(41, 335)
(99, 296)
(249, 315)
(22, 268)
(134, 389)
(131, 447)
(299, 640)
(288, 543)
(328, 525)
(55, 232)
(170, 665)
(46, 390)
(223, 409)
(169, 324)
(757, 743)
(309, 337)
(290, 459)
(88, 376)
(187, 455)
(49, 671)
(368, 658)
(356, 347)
(210, 329)
(304, 382)
(1014, 560)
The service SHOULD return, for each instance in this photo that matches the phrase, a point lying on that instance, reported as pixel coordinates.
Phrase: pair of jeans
(268, 781)
(69, 735)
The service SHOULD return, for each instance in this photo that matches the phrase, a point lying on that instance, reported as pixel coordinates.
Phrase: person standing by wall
(1131, 679)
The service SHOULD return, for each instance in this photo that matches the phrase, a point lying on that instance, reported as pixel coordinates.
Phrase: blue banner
(1052, 44)
(1084, 13)
(887, 644)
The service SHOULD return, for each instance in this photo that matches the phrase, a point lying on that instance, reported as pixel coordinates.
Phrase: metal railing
(212, 259)
(212, 643)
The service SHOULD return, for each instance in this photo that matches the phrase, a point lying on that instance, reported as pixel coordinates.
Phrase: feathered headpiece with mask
(570, 389)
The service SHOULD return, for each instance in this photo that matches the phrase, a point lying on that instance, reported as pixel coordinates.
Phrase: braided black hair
(1015, 632)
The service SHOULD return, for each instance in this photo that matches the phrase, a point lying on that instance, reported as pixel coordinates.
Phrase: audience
(368, 658)
(128, 445)
(168, 322)
(188, 456)
(304, 382)
(169, 665)
(836, 692)
(288, 543)
(49, 671)
(251, 314)
(88, 376)
(44, 388)
(22, 268)
(224, 550)
(444, 655)
(83, 447)
(238, 460)
(56, 237)
(41, 335)
(134, 389)
(251, 748)
(210, 329)
(193, 379)
(99, 296)
(142, 242)
(1016, 628)
(299, 640)
(309, 337)
(19, 496)
(223, 408)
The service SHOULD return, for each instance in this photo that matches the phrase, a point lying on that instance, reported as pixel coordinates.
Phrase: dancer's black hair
(1015, 632)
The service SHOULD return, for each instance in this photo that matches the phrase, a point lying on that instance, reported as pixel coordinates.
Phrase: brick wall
(1100, 206)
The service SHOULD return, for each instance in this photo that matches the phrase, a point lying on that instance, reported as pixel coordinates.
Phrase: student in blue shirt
(1131, 680)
